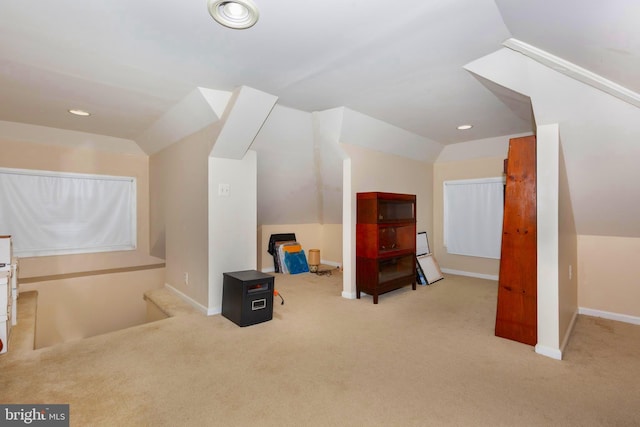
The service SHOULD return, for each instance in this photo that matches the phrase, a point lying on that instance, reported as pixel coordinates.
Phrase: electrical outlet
(186, 278)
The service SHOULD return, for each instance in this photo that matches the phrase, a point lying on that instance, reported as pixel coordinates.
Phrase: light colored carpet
(419, 358)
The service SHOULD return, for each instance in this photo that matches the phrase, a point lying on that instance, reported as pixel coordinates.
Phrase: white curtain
(473, 212)
(50, 213)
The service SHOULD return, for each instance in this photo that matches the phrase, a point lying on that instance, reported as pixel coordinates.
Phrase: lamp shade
(314, 256)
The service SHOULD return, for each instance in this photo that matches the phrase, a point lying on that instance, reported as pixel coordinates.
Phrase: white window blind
(473, 211)
(52, 213)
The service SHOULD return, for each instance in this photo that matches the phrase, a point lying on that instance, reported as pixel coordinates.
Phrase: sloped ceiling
(600, 36)
(598, 135)
(130, 63)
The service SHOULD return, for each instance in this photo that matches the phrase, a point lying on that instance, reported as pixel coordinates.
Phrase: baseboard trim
(322, 261)
(553, 353)
(214, 311)
(195, 304)
(567, 334)
(348, 295)
(469, 274)
(635, 320)
(331, 263)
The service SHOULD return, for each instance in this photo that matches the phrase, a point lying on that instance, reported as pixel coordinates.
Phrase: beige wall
(179, 215)
(465, 169)
(608, 271)
(81, 307)
(377, 171)
(369, 170)
(326, 237)
(41, 156)
(331, 247)
(567, 257)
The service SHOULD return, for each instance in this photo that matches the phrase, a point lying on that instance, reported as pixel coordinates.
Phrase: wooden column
(517, 316)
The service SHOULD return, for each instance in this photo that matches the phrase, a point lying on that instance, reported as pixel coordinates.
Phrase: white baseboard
(567, 334)
(635, 320)
(553, 353)
(322, 261)
(214, 311)
(331, 263)
(469, 274)
(348, 295)
(195, 304)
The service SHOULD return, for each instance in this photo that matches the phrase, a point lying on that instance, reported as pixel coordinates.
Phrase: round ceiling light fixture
(79, 112)
(236, 14)
(465, 127)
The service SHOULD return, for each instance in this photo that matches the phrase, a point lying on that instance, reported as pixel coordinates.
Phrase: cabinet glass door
(395, 268)
(395, 210)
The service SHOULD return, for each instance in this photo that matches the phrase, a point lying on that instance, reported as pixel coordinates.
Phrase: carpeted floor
(418, 358)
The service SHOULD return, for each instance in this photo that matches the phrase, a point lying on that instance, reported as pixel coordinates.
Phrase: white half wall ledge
(243, 118)
(199, 109)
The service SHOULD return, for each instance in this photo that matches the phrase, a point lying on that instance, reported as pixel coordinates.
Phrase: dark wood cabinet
(516, 316)
(385, 242)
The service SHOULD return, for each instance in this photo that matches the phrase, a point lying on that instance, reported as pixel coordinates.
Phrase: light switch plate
(223, 190)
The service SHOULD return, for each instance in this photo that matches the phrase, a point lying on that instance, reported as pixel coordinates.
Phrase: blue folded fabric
(296, 262)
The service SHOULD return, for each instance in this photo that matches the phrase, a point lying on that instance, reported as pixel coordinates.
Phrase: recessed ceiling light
(80, 113)
(236, 14)
(464, 127)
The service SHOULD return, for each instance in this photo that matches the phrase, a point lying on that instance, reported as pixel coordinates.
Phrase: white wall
(327, 126)
(232, 221)
(547, 163)
(287, 167)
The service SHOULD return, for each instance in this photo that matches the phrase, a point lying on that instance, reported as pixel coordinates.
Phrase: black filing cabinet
(247, 297)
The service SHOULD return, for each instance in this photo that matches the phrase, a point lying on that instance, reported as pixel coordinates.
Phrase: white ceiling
(129, 61)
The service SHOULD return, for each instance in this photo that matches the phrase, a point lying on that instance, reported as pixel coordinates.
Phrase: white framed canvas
(422, 244)
(430, 268)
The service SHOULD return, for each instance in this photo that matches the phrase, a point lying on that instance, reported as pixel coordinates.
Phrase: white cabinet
(5, 310)
(8, 292)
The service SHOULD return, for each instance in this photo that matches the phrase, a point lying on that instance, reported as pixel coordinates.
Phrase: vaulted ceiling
(131, 62)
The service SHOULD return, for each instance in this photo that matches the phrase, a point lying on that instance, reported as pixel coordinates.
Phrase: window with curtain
(53, 213)
(473, 212)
